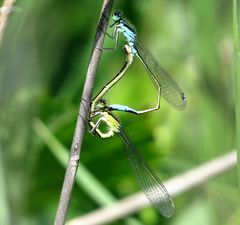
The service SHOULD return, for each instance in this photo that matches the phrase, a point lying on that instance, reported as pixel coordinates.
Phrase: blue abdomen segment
(122, 108)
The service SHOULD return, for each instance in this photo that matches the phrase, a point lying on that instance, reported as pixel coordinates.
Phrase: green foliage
(43, 62)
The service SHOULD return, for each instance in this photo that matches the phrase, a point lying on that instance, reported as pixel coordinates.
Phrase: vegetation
(43, 62)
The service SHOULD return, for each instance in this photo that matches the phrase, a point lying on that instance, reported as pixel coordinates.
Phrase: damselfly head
(101, 104)
(117, 16)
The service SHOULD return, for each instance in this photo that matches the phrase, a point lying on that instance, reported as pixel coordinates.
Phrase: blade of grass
(84, 178)
(4, 209)
(236, 5)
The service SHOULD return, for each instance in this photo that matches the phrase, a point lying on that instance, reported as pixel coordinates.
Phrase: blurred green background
(43, 62)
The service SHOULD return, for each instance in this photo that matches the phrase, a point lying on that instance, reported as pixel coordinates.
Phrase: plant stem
(74, 156)
(175, 186)
(5, 10)
(236, 19)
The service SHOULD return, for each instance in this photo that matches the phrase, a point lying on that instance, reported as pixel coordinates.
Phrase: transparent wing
(169, 89)
(150, 184)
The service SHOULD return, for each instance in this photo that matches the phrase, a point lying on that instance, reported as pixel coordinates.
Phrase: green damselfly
(148, 180)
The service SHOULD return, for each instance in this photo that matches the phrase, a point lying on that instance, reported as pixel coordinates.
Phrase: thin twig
(73, 160)
(176, 185)
(5, 10)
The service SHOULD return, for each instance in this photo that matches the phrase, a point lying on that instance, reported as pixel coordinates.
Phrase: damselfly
(148, 180)
(160, 78)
